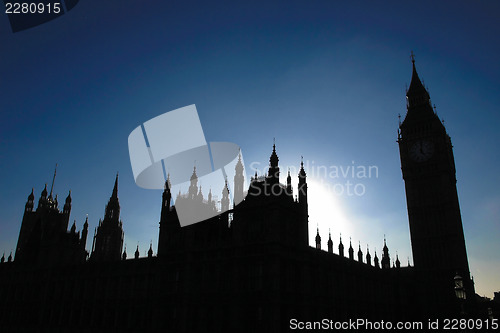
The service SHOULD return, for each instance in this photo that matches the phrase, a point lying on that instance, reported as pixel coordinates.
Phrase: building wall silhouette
(248, 268)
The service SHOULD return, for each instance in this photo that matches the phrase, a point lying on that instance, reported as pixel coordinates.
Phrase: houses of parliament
(249, 268)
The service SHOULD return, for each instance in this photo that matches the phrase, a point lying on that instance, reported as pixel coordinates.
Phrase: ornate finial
(412, 57)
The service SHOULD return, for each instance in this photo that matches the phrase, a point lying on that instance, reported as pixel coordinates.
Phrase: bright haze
(325, 78)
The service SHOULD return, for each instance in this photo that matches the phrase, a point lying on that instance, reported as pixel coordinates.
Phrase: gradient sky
(325, 78)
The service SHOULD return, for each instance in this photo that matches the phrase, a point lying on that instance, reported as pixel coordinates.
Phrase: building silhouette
(428, 167)
(249, 267)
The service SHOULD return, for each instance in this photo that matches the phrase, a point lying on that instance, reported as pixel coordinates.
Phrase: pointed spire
(239, 165)
(398, 264)
(168, 184)
(351, 250)
(44, 192)
(194, 176)
(124, 255)
(302, 173)
(341, 247)
(360, 253)
(225, 197)
(416, 94)
(274, 171)
(330, 242)
(3, 258)
(368, 256)
(318, 239)
(289, 184)
(73, 227)
(53, 180)
(114, 195)
(68, 198)
(31, 197)
(9, 259)
(150, 251)
(136, 254)
(386, 261)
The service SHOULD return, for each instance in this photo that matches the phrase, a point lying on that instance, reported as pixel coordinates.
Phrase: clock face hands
(421, 151)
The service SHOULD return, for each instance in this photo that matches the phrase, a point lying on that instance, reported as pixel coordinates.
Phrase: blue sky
(325, 78)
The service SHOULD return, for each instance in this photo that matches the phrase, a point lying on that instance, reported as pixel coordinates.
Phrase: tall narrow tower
(108, 240)
(239, 182)
(428, 168)
(303, 210)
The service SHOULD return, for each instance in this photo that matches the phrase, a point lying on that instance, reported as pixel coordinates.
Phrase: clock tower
(436, 231)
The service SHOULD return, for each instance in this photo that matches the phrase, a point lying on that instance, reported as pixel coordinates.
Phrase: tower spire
(274, 170)
(416, 94)
(330, 242)
(341, 247)
(318, 239)
(53, 180)
(115, 188)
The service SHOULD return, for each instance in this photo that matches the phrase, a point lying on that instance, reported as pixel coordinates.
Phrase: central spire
(274, 170)
(114, 195)
(416, 94)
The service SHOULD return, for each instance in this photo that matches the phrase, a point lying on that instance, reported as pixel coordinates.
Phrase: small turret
(136, 254)
(351, 250)
(330, 242)
(67, 204)
(225, 198)
(360, 253)
(318, 240)
(150, 251)
(341, 247)
(289, 184)
(386, 260)
(85, 231)
(274, 170)
(193, 187)
(368, 256)
(239, 181)
(30, 201)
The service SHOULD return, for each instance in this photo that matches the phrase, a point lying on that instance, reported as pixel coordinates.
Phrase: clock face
(421, 151)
